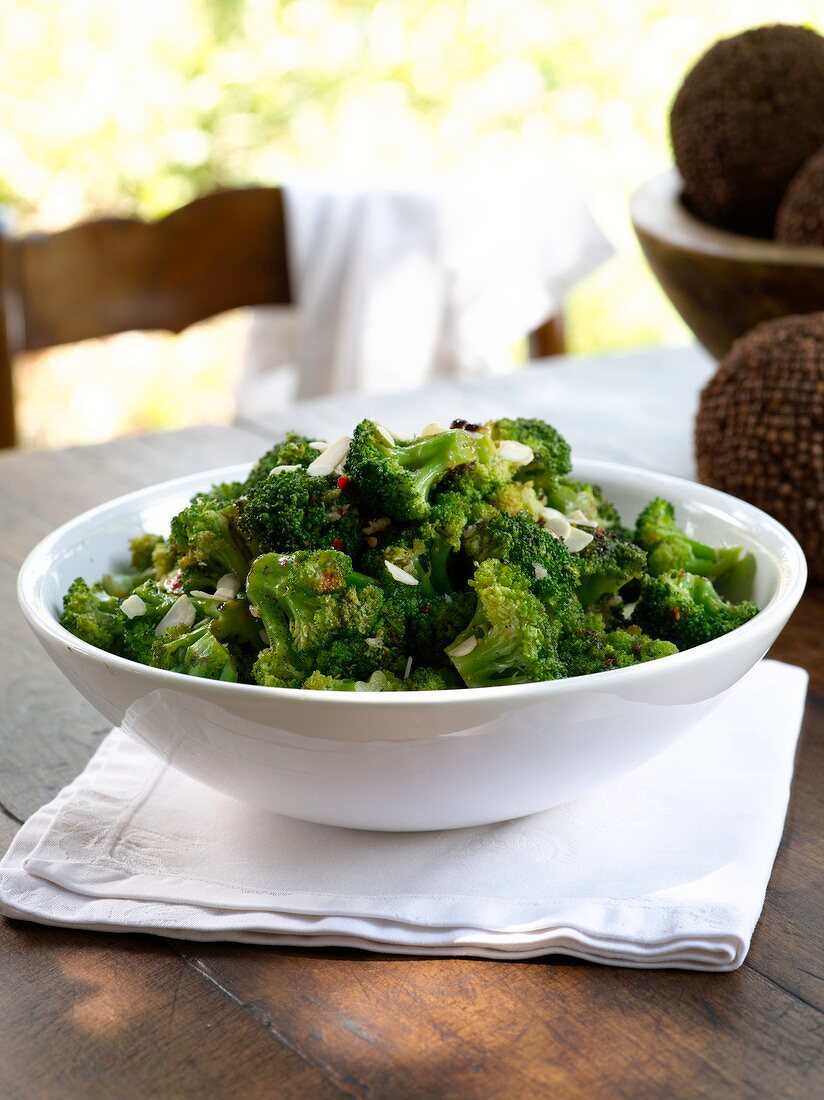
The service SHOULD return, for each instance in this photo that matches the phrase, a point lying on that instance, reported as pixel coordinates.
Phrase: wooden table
(88, 1014)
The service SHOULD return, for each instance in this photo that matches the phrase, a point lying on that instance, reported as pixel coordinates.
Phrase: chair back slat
(220, 252)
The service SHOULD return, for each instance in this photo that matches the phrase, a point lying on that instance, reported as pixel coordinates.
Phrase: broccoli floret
(139, 637)
(194, 653)
(606, 565)
(337, 621)
(432, 679)
(669, 548)
(142, 549)
(396, 479)
(378, 681)
(293, 511)
(551, 570)
(588, 648)
(570, 496)
(687, 610)
(428, 622)
(277, 665)
(123, 584)
(205, 543)
(295, 450)
(551, 450)
(511, 639)
(93, 615)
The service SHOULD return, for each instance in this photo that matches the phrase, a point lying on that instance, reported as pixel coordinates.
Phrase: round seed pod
(800, 217)
(759, 433)
(746, 118)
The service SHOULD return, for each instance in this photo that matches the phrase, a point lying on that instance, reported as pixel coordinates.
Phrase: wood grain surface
(87, 1014)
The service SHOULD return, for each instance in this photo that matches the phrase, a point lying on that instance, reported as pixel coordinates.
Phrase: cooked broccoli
(295, 450)
(669, 548)
(93, 615)
(588, 648)
(511, 639)
(550, 449)
(338, 621)
(570, 496)
(417, 565)
(606, 565)
(552, 572)
(687, 610)
(194, 653)
(396, 479)
(205, 543)
(291, 511)
(378, 681)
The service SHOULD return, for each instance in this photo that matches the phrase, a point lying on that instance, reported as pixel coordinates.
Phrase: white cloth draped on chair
(396, 285)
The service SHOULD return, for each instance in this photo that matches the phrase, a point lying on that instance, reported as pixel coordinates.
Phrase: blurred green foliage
(115, 106)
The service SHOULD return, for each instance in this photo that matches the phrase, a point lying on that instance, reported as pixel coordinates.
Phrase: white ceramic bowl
(422, 760)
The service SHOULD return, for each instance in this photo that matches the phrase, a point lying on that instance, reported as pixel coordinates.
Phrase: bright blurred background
(115, 107)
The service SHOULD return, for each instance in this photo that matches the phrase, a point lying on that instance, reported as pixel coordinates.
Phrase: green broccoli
(606, 565)
(336, 620)
(396, 479)
(551, 570)
(205, 543)
(378, 681)
(93, 615)
(432, 679)
(669, 548)
(511, 639)
(588, 648)
(194, 652)
(142, 549)
(295, 450)
(551, 451)
(291, 511)
(427, 621)
(570, 496)
(687, 610)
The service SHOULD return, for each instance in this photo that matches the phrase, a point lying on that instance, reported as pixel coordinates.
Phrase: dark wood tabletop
(99, 1015)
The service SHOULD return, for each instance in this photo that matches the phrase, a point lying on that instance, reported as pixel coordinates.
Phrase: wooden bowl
(721, 283)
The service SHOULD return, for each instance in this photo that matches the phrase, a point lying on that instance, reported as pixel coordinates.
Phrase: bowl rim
(792, 576)
(679, 227)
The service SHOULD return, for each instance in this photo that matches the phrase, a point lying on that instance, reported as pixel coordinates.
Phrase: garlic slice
(464, 648)
(326, 462)
(282, 470)
(133, 607)
(576, 540)
(318, 444)
(399, 574)
(539, 570)
(556, 522)
(512, 451)
(181, 613)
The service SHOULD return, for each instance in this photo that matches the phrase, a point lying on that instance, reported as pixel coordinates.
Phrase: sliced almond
(432, 429)
(133, 607)
(408, 668)
(399, 574)
(227, 587)
(583, 521)
(556, 522)
(385, 433)
(318, 444)
(464, 648)
(327, 460)
(181, 613)
(576, 540)
(376, 525)
(512, 451)
(282, 470)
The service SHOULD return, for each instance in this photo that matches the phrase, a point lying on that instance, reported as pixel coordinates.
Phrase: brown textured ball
(760, 428)
(800, 217)
(744, 121)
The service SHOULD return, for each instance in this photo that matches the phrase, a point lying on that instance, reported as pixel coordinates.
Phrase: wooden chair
(222, 251)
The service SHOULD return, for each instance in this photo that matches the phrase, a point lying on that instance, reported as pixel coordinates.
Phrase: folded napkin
(394, 285)
(665, 868)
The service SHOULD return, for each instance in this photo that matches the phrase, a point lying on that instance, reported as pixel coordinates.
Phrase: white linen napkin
(394, 285)
(664, 868)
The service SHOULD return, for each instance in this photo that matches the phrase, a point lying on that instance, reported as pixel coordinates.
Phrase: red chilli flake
(337, 544)
(342, 481)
